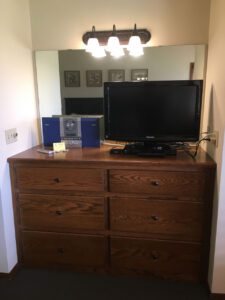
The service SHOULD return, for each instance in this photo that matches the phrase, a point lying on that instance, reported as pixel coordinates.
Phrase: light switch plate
(11, 135)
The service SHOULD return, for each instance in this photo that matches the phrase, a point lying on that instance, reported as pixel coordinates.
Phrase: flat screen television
(153, 111)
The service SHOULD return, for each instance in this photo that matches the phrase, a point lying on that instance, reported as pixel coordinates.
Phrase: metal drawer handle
(155, 183)
(154, 218)
(56, 180)
(59, 212)
(60, 250)
(154, 256)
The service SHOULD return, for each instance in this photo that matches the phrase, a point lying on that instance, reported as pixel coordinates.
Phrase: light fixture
(113, 44)
(93, 45)
(92, 42)
(99, 52)
(112, 41)
(117, 52)
(135, 47)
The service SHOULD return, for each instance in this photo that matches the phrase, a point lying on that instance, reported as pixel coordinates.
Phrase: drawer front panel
(61, 213)
(176, 184)
(60, 179)
(157, 258)
(158, 218)
(49, 249)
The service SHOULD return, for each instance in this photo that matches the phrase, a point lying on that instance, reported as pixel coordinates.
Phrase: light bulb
(135, 47)
(134, 42)
(99, 52)
(92, 44)
(117, 52)
(113, 43)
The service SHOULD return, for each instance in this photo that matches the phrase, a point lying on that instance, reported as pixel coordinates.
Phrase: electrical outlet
(214, 138)
(11, 135)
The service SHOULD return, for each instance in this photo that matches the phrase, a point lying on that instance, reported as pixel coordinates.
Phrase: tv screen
(158, 111)
(84, 106)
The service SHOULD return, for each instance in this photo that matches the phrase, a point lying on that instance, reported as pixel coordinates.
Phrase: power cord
(193, 155)
(179, 145)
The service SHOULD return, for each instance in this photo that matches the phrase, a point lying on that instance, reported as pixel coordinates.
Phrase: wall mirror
(76, 74)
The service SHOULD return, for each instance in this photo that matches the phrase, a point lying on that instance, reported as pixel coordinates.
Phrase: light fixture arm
(123, 35)
(93, 32)
(135, 29)
(114, 30)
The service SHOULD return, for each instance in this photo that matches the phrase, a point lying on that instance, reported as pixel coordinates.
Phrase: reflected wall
(162, 63)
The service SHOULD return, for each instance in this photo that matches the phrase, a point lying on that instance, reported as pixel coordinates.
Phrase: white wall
(163, 63)
(200, 62)
(47, 66)
(58, 24)
(214, 119)
(18, 110)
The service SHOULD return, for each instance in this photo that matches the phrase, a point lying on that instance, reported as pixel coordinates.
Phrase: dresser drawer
(51, 249)
(158, 218)
(166, 260)
(60, 179)
(176, 184)
(61, 213)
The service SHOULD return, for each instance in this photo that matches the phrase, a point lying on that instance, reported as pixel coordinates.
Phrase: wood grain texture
(16, 213)
(179, 184)
(60, 179)
(159, 218)
(161, 259)
(52, 249)
(61, 213)
(86, 209)
(217, 297)
(93, 157)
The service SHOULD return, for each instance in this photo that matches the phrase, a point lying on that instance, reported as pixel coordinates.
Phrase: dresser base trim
(217, 296)
(12, 273)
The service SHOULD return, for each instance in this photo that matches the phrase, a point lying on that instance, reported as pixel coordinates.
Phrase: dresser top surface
(102, 155)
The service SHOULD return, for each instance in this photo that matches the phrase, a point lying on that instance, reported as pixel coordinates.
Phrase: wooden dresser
(88, 210)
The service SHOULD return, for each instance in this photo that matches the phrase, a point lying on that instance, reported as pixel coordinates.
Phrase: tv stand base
(146, 150)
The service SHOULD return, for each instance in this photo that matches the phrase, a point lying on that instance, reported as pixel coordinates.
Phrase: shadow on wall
(3, 258)
(210, 148)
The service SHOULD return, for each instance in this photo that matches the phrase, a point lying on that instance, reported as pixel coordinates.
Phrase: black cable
(196, 147)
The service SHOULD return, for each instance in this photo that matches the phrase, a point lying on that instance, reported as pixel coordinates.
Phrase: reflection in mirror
(55, 83)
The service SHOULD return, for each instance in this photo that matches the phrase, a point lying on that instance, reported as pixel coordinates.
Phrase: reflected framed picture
(139, 74)
(94, 78)
(116, 75)
(72, 78)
